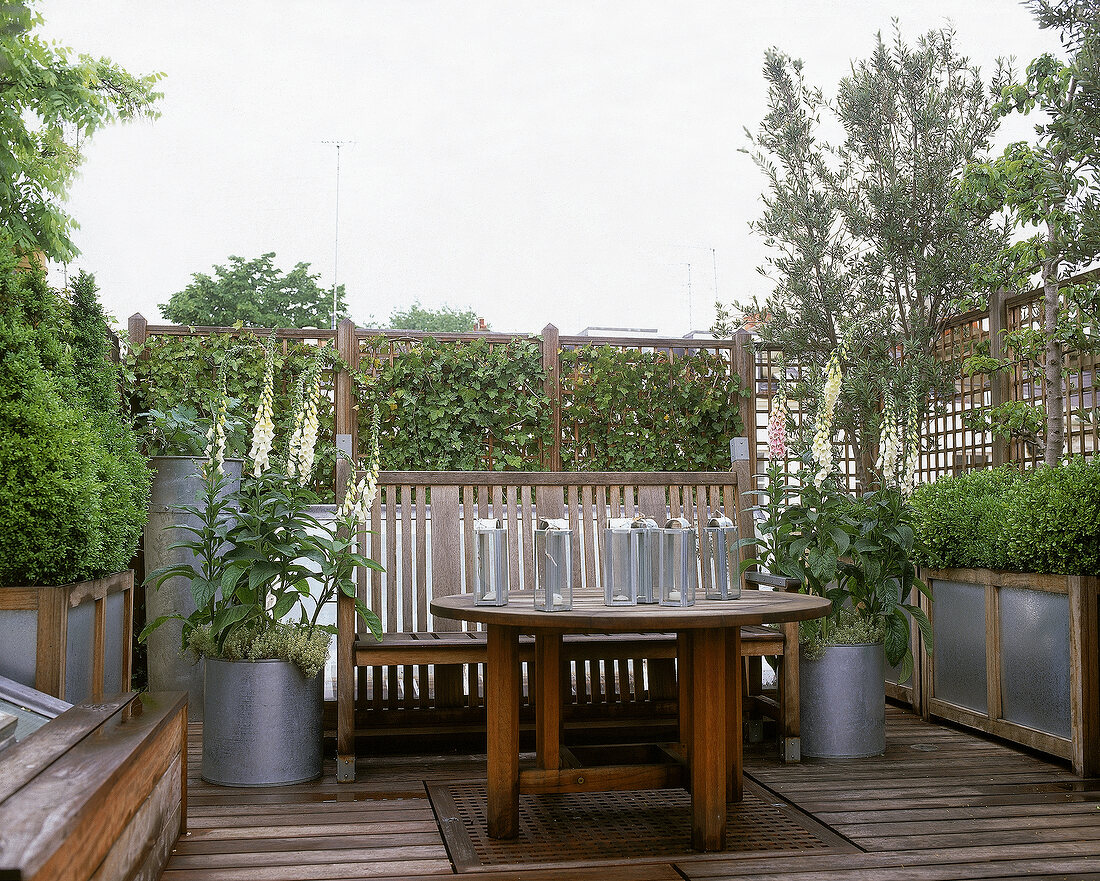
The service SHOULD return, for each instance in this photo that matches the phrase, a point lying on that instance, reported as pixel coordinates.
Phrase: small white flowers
(215, 435)
(263, 435)
(912, 458)
(822, 447)
(889, 450)
(360, 495)
(303, 441)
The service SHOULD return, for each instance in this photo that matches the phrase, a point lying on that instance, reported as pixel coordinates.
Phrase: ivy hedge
(1045, 520)
(480, 404)
(75, 490)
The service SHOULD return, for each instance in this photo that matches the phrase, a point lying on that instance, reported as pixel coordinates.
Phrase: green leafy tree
(1052, 188)
(445, 319)
(53, 101)
(864, 250)
(255, 293)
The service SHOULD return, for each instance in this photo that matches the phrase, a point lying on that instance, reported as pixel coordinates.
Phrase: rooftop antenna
(336, 234)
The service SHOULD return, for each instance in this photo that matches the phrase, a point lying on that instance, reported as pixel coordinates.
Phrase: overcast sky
(555, 162)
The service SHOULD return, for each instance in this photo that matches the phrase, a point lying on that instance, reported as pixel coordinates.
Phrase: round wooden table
(709, 667)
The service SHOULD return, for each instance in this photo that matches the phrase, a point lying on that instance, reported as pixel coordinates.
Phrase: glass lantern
(721, 561)
(553, 566)
(630, 562)
(678, 564)
(491, 539)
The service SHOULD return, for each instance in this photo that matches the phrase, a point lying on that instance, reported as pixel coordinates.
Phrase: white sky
(553, 162)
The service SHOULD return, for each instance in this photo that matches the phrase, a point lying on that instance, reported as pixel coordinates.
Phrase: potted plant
(176, 440)
(858, 551)
(263, 569)
(73, 497)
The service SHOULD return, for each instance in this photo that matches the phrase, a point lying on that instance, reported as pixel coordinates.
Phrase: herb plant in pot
(263, 569)
(857, 551)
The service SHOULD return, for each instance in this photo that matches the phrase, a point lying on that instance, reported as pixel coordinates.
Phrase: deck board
(940, 804)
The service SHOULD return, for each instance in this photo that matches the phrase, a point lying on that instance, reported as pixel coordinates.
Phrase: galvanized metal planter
(176, 482)
(842, 702)
(263, 724)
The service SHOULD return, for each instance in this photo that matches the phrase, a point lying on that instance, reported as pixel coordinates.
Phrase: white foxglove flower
(263, 434)
(822, 447)
(889, 449)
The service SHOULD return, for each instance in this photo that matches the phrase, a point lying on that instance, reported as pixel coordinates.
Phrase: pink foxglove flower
(777, 428)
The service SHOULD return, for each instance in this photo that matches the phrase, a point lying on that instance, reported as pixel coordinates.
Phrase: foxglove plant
(264, 566)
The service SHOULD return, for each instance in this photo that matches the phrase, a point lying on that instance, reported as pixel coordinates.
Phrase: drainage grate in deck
(591, 827)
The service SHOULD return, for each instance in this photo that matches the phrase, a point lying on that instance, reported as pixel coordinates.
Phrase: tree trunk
(1053, 356)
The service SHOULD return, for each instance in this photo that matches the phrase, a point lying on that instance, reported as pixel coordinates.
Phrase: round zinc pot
(176, 482)
(842, 702)
(263, 724)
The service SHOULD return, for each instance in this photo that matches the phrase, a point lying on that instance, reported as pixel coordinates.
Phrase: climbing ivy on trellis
(462, 406)
(629, 410)
(474, 405)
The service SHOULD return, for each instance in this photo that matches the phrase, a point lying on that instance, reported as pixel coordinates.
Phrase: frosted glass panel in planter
(18, 644)
(112, 668)
(1035, 659)
(958, 617)
(78, 653)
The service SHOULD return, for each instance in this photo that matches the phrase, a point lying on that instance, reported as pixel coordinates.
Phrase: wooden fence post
(743, 358)
(998, 380)
(551, 366)
(135, 329)
(346, 429)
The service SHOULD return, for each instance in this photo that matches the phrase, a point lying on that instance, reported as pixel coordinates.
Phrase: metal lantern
(553, 566)
(630, 561)
(721, 564)
(491, 538)
(677, 574)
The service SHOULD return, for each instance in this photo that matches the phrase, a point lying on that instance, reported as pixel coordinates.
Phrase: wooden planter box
(72, 641)
(1016, 655)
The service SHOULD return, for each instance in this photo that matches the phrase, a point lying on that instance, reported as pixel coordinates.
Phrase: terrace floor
(940, 804)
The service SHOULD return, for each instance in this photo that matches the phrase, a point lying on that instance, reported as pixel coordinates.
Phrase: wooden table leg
(735, 784)
(548, 701)
(709, 740)
(502, 713)
(684, 680)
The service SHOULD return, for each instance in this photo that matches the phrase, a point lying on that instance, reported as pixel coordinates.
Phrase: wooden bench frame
(100, 791)
(410, 503)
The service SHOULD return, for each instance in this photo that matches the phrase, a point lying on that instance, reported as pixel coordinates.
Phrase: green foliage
(255, 293)
(1051, 190)
(1012, 420)
(629, 410)
(859, 552)
(262, 564)
(1046, 520)
(863, 247)
(74, 496)
(445, 319)
(53, 101)
(466, 406)
(848, 628)
(173, 385)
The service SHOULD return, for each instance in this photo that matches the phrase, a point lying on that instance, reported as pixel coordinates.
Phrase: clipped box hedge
(1045, 520)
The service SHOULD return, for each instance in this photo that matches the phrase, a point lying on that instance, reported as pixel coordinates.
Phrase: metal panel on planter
(78, 648)
(1035, 661)
(959, 659)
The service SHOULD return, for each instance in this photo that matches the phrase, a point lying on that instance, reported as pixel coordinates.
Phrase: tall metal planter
(842, 702)
(263, 724)
(176, 482)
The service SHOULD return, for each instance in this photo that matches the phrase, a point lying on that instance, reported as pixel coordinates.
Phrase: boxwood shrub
(1044, 520)
(74, 491)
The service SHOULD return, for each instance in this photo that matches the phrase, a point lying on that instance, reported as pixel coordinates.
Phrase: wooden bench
(422, 532)
(99, 792)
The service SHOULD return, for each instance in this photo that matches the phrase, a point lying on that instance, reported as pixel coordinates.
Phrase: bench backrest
(422, 526)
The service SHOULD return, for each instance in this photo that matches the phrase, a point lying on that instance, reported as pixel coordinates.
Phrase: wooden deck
(941, 804)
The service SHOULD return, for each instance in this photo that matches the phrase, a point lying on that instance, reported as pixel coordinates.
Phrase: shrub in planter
(72, 498)
(1046, 520)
